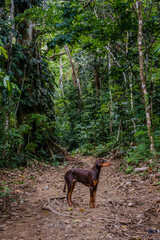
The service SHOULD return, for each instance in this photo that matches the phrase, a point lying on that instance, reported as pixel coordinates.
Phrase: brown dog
(89, 178)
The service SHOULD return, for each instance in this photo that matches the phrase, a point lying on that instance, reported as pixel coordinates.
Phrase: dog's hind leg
(70, 191)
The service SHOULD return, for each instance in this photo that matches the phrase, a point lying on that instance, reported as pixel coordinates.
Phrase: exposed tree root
(49, 208)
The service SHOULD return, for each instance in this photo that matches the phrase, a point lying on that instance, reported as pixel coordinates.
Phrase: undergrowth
(139, 156)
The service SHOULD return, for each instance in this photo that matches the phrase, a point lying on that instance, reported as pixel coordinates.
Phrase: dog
(89, 178)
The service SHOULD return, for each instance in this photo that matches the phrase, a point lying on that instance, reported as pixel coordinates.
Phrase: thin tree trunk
(104, 11)
(61, 75)
(71, 63)
(22, 86)
(110, 95)
(11, 36)
(130, 84)
(119, 131)
(131, 99)
(95, 12)
(152, 88)
(12, 17)
(142, 77)
(7, 114)
(127, 42)
(78, 80)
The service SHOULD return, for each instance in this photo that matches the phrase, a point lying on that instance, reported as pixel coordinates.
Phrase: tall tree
(142, 76)
(71, 63)
(61, 76)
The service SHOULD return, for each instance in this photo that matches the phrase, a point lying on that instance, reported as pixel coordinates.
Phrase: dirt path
(128, 208)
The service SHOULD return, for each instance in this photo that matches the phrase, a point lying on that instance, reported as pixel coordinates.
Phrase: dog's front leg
(93, 196)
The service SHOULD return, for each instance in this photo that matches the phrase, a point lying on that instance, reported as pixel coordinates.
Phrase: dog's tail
(64, 189)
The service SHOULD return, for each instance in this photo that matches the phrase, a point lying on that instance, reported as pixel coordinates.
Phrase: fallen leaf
(124, 226)
(76, 220)
(69, 209)
(81, 209)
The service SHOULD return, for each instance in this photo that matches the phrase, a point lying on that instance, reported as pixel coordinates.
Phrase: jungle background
(79, 77)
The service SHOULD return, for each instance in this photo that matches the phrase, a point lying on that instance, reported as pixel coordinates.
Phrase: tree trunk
(9, 64)
(142, 77)
(12, 19)
(110, 95)
(78, 80)
(131, 99)
(119, 130)
(11, 37)
(38, 100)
(130, 85)
(61, 75)
(71, 63)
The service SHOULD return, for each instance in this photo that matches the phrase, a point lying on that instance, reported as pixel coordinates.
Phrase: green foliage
(135, 156)
(31, 147)
(138, 154)
(129, 169)
(2, 50)
(6, 83)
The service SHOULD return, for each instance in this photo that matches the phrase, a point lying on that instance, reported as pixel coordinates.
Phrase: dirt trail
(128, 208)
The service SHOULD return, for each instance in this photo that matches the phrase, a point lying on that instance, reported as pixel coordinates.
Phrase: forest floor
(129, 206)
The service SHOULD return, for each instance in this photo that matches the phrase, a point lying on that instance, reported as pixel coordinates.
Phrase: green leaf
(16, 87)
(1, 43)
(4, 52)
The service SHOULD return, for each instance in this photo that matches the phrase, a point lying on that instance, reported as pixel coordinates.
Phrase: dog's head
(102, 163)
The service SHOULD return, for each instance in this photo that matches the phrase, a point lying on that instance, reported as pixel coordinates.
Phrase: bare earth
(129, 207)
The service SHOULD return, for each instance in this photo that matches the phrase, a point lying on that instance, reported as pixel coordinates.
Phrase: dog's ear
(98, 162)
